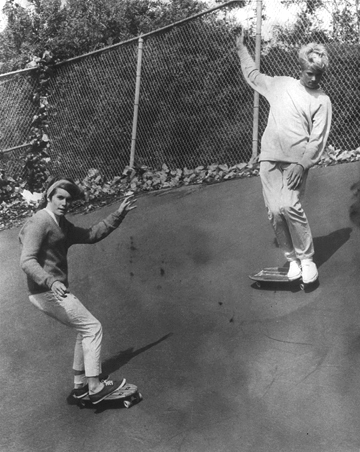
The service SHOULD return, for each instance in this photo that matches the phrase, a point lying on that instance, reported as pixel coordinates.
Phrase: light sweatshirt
(299, 118)
(45, 245)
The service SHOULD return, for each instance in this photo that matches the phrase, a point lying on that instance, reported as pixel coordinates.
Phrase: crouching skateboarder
(293, 141)
(45, 239)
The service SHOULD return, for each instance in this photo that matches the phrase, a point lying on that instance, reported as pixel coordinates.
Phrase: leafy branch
(35, 170)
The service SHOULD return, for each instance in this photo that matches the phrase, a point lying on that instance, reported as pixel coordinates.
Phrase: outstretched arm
(258, 81)
(102, 229)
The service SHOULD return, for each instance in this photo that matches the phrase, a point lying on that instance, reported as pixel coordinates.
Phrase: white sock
(80, 380)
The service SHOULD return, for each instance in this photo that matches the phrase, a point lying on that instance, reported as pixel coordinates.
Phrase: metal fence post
(255, 140)
(136, 102)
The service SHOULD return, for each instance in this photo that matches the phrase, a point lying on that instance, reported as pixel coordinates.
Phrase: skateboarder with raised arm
(45, 239)
(293, 141)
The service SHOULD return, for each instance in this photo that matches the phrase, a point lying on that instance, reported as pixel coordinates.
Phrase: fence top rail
(108, 48)
(20, 71)
(15, 148)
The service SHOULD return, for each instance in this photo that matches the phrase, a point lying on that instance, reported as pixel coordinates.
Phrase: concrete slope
(222, 365)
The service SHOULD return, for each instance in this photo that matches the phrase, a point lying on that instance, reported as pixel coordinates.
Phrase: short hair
(314, 56)
(66, 184)
(53, 183)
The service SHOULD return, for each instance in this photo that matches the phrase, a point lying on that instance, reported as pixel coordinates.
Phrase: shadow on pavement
(119, 360)
(111, 365)
(327, 245)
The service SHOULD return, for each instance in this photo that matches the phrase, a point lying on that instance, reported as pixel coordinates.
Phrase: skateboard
(278, 275)
(128, 395)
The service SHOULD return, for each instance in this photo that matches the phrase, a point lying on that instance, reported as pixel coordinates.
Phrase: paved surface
(222, 365)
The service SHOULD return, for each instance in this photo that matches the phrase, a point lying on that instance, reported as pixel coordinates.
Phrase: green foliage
(332, 156)
(98, 191)
(192, 106)
(141, 179)
(310, 6)
(8, 187)
(192, 85)
(35, 170)
(345, 22)
(145, 179)
(80, 26)
(14, 40)
(346, 25)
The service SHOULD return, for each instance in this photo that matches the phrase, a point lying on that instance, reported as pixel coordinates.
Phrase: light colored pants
(285, 211)
(71, 312)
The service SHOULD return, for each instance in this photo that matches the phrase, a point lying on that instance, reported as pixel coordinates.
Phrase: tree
(310, 5)
(81, 26)
(344, 14)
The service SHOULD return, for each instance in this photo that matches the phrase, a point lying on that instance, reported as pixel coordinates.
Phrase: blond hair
(314, 56)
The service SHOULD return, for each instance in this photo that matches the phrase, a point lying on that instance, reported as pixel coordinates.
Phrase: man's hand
(240, 41)
(59, 289)
(127, 205)
(295, 176)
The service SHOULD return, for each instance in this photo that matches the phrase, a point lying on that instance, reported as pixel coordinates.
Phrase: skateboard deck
(128, 395)
(276, 275)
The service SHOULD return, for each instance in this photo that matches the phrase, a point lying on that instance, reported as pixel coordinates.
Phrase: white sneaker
(294, 270)
(309, 271)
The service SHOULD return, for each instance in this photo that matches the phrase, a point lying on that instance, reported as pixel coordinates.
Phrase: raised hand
(240, 40)
(127, 205)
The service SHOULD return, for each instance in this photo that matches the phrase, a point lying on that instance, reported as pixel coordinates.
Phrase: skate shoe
(109, 387)
(294, 270)
(79, 393)
(309, 271)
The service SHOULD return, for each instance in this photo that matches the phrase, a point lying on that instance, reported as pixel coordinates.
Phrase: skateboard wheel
(137, 398)
(258, 284)
(127, 404)
(302, 286)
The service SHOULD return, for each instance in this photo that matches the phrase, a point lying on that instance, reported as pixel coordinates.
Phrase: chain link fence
(193, 110)
(194, 107)
(16, 114)
(91, 114)
(191, 107)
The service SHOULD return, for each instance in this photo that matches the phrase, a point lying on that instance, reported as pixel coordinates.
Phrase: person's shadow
(113, 364)
(119, 360)
(327, 245)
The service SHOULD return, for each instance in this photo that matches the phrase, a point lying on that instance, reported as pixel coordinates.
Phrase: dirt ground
(222, 365)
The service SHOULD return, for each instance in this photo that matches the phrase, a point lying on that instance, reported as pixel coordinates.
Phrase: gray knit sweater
(299, 118)
(45, 246)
